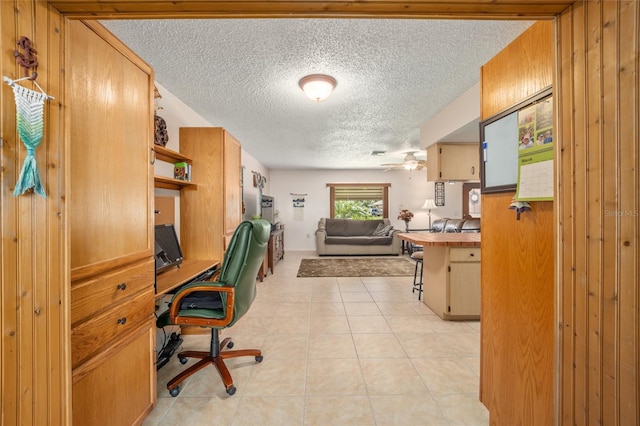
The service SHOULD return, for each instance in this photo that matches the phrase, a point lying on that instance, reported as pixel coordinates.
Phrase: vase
(406, 225)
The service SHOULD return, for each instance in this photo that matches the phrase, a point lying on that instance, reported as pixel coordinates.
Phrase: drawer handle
(471, 254)
(122, 286)
(122, 320)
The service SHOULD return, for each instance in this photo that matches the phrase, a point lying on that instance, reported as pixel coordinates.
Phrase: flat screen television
(168, 253)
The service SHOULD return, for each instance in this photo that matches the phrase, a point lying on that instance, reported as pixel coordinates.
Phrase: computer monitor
(167, 248)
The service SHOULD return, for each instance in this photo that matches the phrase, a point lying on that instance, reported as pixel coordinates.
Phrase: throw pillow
(383, 230)
(377, 230)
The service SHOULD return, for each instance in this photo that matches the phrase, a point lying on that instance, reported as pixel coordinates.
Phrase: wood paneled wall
(599, 213)
(34, 300)
(517, 258)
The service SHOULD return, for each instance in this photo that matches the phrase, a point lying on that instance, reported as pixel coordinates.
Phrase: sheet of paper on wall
(535, 180)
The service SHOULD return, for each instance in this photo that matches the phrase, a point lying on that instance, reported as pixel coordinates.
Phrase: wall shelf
(171, 183)
(165, 154)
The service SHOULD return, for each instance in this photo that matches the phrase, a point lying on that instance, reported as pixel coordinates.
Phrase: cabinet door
(459, 162)
(119, 388)
(464, 288)
(453, 161)
(110, 132)
(232, 189)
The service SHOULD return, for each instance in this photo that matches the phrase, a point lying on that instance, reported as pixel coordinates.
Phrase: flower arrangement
(405, 215)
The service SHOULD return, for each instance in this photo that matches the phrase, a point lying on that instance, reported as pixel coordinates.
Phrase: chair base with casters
(417, 256)
(216, 357)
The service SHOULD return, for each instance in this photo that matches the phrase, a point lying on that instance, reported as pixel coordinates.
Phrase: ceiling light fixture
(317, 86)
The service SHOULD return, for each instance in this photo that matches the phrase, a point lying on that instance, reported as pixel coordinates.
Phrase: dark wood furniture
(276, 247)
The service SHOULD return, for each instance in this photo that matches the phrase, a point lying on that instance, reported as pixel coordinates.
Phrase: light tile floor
(337, 351)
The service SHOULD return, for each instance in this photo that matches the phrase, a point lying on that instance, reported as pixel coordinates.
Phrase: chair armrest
(229, 292)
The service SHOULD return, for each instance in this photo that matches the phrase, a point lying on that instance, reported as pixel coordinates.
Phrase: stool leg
(415, 277)
(420, 284)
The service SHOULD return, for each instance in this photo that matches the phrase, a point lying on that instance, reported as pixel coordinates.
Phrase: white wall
(463, 110)
(408, 191)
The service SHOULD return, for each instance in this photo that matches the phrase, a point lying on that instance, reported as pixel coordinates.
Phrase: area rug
(356, 267)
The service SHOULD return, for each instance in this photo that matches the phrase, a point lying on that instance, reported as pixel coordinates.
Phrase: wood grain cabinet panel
(453, 161)
(97, 333)
(96, 294)
(117, 389)
(209, 215)
(111, 225)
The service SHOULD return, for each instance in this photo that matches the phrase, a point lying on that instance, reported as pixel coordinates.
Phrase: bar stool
(417, 256)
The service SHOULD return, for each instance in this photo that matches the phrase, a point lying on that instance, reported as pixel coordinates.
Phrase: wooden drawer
(464, 254)
(89, 297)
(92, 336)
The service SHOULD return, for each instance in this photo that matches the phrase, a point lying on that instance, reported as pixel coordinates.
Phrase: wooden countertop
(188, 270)
(468, 239)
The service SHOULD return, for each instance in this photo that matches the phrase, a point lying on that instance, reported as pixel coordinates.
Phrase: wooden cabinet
(275, 250)
(210, 214)
(111, 225)
(451, 278)
(453, 161)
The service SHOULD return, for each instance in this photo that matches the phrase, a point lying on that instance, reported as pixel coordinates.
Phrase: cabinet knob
(122, 320)
(122, 286)
(471, 254)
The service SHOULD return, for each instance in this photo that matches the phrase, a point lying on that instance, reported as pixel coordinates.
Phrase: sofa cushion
(360, 241)
(438, 225)
(471, 225)
(348, 227)
(453, 225)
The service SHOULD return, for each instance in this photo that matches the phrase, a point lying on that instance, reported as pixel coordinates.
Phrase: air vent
(378, 153)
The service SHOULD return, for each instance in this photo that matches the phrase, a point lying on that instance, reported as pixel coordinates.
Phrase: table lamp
(429, 204)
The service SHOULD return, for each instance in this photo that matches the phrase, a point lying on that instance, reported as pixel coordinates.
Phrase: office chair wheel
(183, 360)
(231, 390)
(259, 358)
(230, 344)
(175, 391)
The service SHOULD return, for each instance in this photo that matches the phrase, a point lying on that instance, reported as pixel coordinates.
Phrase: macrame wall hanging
(29, 117)
(30, 123)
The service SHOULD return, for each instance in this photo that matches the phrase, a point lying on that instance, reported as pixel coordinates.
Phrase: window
(359, 200)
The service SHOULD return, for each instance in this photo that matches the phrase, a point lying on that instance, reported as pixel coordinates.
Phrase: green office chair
(219, 304)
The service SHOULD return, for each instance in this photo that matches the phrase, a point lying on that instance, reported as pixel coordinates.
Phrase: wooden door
(110, 135)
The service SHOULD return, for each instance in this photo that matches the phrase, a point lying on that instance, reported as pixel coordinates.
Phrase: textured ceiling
(393, 75)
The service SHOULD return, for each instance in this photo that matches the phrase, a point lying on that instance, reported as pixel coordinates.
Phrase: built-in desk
(451, 273)
(188, 270)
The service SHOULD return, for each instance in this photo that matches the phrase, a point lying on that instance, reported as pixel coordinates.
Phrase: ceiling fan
(410, 163)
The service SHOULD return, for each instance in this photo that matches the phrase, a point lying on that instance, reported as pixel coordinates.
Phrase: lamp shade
(317, 86)
(429, 204)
